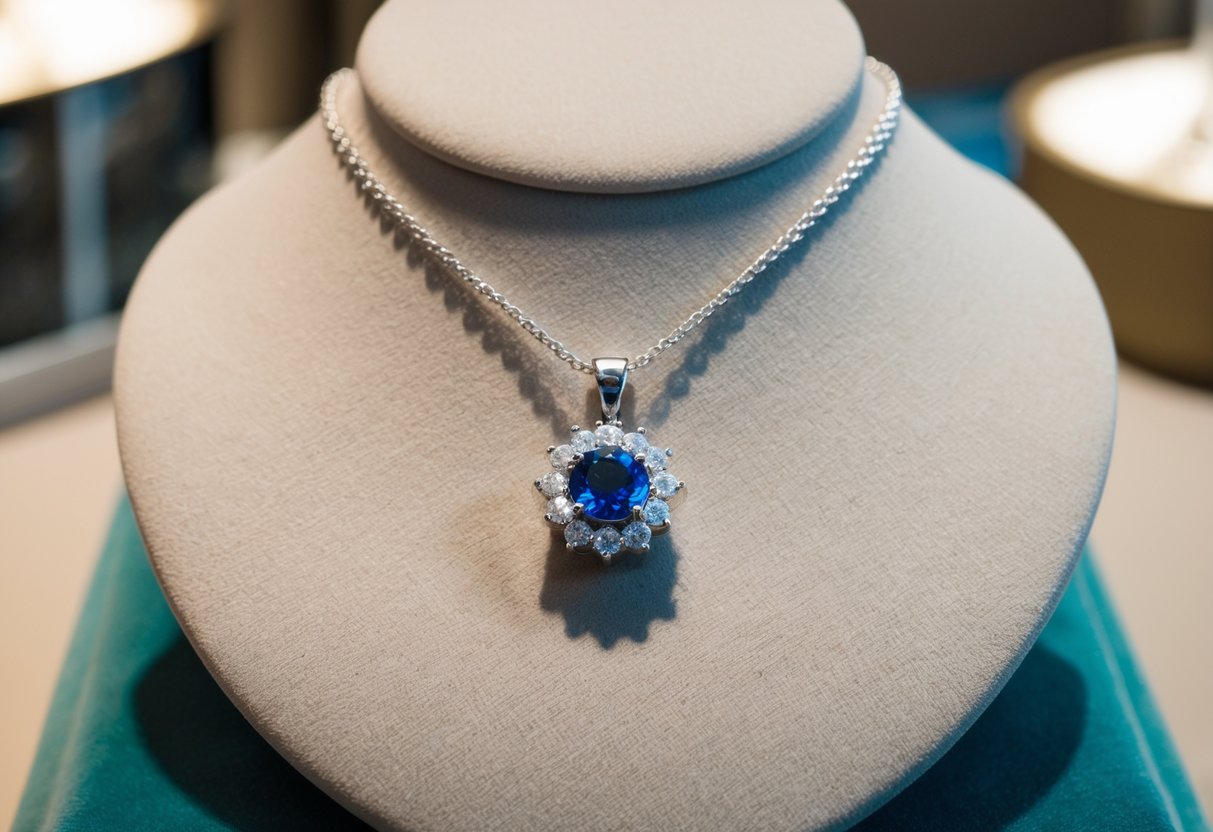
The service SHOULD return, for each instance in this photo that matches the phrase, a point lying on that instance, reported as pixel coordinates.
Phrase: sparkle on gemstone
(635, 443)
(561, 456)
(578, 534)
(609, 436)
(665, 485)
(607, 541)
(552, 484)
(656, 512)
(655, 458)
(560, 509)
(608, 482)
(636, 535)
(584, 440)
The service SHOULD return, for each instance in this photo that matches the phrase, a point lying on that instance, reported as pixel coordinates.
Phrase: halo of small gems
(610, 496)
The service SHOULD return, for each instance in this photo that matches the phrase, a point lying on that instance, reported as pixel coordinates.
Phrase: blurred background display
(106, 135)
(89, 180)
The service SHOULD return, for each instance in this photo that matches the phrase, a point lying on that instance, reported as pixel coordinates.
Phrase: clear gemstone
(607, 541)
(560, 509)
(656, 512)
(578, 534)
(636, 535)
(584, 440)
(635, 443)
(609, 435)
(561, 456)
(655, 458)
(552, 484)
(665, 485)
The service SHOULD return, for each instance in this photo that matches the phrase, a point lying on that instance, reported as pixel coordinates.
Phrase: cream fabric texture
(617, 97)
(894, 445)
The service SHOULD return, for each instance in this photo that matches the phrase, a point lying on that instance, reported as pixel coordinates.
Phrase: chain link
(368, 182)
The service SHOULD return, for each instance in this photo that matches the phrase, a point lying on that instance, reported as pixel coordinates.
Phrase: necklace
(608, 491)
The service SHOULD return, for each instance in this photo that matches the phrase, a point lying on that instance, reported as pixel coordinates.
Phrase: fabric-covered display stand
(910, 425)
(140, 737)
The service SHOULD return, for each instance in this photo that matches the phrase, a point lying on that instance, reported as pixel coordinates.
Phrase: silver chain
(873, 145)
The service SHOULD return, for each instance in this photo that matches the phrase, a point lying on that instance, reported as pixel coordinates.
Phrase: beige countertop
(59, 483)
(1153, 539)
(59, 480)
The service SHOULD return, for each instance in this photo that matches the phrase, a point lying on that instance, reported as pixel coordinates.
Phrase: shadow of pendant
(620, 601)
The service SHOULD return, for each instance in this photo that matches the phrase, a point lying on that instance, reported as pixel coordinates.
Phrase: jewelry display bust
(896, 440)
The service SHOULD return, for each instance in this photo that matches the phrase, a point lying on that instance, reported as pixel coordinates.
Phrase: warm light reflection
(47, 45)
(1133, 119)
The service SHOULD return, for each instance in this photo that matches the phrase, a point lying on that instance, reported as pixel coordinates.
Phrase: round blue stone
(608, 482)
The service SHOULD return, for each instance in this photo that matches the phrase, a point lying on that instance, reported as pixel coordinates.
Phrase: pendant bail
(612, 375)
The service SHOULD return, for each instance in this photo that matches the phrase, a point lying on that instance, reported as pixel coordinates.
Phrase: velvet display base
(140, 737)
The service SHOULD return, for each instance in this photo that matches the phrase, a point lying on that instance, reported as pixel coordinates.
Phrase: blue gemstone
(608, 482)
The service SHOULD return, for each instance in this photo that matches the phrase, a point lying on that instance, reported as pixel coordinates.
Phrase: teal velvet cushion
(140, 737)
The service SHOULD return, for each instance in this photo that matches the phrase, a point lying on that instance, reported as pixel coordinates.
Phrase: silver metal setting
(655, 465)
(612, 376)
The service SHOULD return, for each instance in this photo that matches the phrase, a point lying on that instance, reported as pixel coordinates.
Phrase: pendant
(609, 490)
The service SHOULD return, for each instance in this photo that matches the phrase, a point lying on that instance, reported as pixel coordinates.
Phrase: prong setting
(626, 486)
